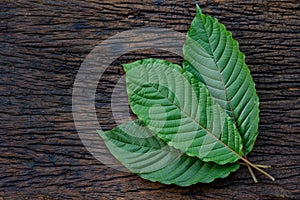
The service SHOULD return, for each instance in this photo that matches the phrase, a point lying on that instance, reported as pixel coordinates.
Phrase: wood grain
(43, 43)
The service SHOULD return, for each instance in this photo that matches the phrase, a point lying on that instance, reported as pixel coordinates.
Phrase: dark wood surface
(43, 43)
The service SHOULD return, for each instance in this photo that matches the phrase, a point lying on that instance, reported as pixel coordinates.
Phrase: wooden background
(43, 43)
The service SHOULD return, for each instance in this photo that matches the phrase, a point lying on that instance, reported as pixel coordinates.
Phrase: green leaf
(138, 149)
(182, 114)
(213, 56)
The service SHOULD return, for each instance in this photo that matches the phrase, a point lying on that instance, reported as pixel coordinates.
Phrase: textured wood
(43, 43)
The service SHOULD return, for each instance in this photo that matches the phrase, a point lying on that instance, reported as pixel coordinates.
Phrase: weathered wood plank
(43, 43)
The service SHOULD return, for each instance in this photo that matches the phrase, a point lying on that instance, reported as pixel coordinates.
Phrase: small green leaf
(182, 114)
(213, 56)
(138, 149)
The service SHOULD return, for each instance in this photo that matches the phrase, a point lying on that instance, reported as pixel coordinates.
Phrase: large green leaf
(138, 149)
(182, 114)
(213, 56)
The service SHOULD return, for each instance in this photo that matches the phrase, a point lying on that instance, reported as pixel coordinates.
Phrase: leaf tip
(198, 10)
(126, 66)
(101, 133)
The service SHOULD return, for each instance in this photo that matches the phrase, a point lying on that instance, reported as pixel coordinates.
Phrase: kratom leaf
(161, 95)
(213, 56)
(143, 153)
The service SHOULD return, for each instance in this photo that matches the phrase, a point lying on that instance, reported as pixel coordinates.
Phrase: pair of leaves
(195, 121)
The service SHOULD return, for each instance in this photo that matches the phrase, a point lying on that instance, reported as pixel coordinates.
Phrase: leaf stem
(258, 165)
(252, 174)
(258, 169)
(263, 166)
